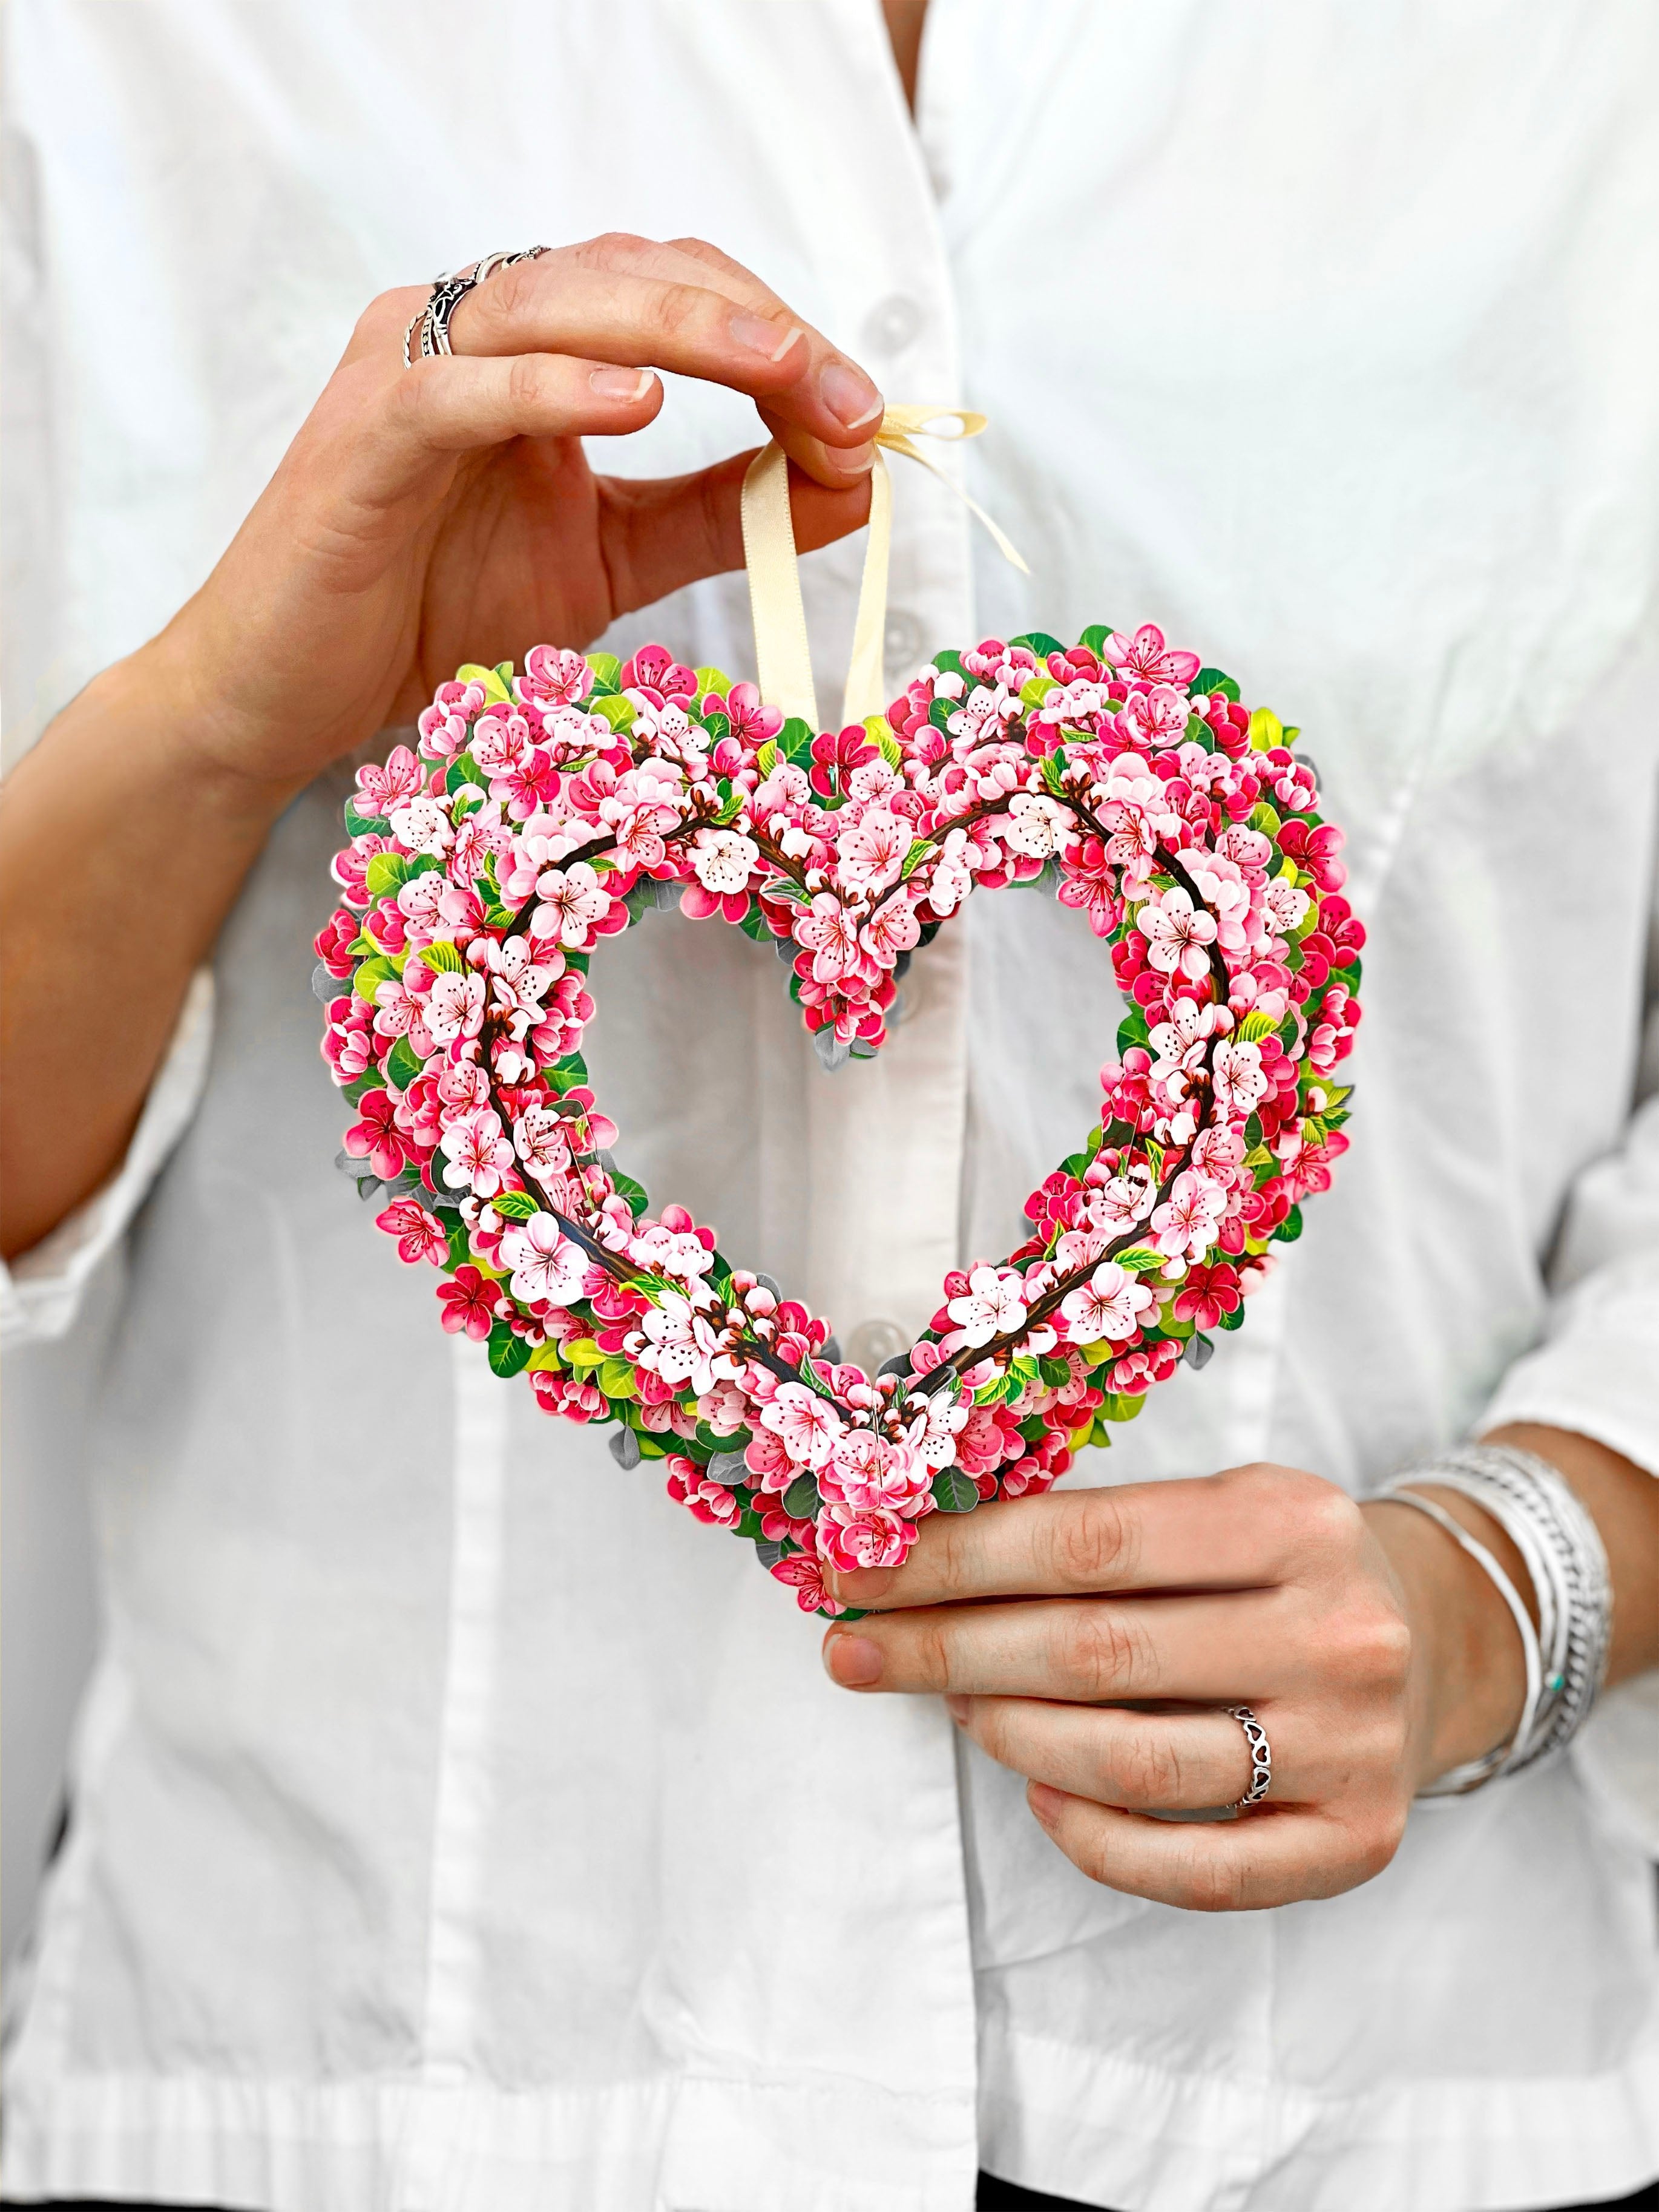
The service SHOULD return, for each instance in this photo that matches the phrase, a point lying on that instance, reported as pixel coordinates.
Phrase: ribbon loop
(782, 655)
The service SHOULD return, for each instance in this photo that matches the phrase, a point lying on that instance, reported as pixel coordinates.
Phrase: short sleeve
(41, 1291)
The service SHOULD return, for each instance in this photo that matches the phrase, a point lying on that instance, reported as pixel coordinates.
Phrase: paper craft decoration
(550, 809)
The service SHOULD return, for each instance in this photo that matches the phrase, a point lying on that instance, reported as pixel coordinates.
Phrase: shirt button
(904, 644)
(892, 325)
(874, 1341)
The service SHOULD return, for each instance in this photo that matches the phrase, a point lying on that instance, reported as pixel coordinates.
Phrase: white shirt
(457, 1822)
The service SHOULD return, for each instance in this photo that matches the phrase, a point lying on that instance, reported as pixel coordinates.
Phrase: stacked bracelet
(1567, 1653)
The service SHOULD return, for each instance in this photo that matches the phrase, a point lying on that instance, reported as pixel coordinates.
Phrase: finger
(1233, 1649)
(444, 407)
(563, 304)
(660, 534)
(1263, 1857)
(1250, 1527)
(1145, 1762)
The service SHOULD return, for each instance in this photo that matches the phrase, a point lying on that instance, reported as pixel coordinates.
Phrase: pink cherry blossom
(375, 1137)
(380, 789)
(805, 1425)
(1186, 1223)
(1236, 1073)
(469, 1303)
(854, 1536)
(1177, 934)
(1144, 658)
(572, 900)
(993, 1305)
(477, 1155)
(419, 1235)
(547, 1265)
(1113, 1302)
(829, 933)
(554, 678)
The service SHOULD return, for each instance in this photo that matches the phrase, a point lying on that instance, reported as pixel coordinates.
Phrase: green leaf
(886, 743)
(1266, 730)
(582, 1352)
(494, 689)
(370, 975)
(796, 740)
(712, 679)
(1121, 1405)
(365, 825)
(635, 1192)
(768, 758)
(569, 1073)
(404, 1064)
(460, 1250)
(1141, 1259)
(948, 662)
(509, 1354)
(1035, 690)
(464, 769)
(514, 1205)
(385, 872)
(1095, 637)
(800, 1500)
(1132, 1029)
(442, 957)
(615, 1379)
(1233, 1320)
(940, 712)
(607, 671)
(1054, 1372)
(1049, 769)
(954, 1490)
(617, 710)
(1039, 642)
(1212, 680)
(1255, 1025)
(1266, 819)
(1289, 1228)
(919, 849)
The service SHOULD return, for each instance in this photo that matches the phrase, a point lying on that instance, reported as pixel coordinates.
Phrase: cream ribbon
(782, 655)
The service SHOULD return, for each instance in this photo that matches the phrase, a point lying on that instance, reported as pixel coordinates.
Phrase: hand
(422, 517)
(447, 513)
(1087, 1638)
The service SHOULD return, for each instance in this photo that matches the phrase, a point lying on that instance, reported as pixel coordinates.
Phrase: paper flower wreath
(548, 810)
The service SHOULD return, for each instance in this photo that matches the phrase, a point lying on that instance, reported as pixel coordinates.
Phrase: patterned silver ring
(1262, 1757)
(447, 294)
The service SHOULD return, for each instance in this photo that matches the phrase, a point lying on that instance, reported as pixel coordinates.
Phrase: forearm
(122, 847)
(1471, 1683)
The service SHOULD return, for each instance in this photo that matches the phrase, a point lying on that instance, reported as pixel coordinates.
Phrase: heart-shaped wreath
(548, 810)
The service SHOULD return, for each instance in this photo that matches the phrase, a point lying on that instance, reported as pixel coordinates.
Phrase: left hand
(1373, 1658)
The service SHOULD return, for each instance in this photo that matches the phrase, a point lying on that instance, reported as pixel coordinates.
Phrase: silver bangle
(447, 292)
(1567, 1565)
(1470, 1776)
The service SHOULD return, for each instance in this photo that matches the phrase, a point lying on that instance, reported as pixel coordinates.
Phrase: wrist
(1469, 1668)
(194, 737)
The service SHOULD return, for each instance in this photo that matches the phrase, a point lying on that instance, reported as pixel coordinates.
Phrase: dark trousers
(996, 2195)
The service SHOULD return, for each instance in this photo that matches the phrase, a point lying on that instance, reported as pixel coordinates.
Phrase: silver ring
(1262, 1757)
(447, 294)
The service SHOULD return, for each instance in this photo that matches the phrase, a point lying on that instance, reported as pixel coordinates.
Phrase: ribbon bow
(782, 656)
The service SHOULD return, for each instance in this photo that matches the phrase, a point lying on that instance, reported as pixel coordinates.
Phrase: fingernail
(621, 383)
(853, 1661)
(762, 337)
(957, 1708)
(860, 1586)
(848, 394)
(1044, 1802)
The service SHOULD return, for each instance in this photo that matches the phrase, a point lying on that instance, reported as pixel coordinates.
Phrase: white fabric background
(1343, 331)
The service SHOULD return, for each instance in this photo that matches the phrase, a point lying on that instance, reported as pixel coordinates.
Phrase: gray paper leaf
(625, 1449)
(326, 986)
(1199, 1351)
(831, 1053)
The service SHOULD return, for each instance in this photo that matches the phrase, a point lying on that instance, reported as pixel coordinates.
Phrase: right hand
(447, 513)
